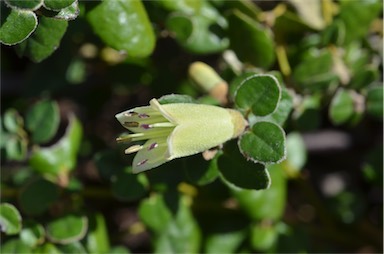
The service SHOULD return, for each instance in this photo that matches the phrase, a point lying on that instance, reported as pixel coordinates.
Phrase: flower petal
(153, 154)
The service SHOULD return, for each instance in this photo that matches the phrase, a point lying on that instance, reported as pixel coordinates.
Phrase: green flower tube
(176, 130)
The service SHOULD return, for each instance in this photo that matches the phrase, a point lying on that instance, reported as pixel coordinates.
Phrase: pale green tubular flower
(176, 130)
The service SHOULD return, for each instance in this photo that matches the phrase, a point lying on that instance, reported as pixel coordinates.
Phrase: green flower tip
(176, 130)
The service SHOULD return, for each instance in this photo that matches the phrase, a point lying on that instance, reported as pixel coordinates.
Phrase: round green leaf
(62, 156)
(251, 41)
(18, 26)
(15, 246)
(97, 237)
(32, 234)
(36, 197)
(10, 219)
(67, 229)
(264, 143)
(12, 120)
(259, 93)
(44, 41)
(342, 107)
(75, 248)
(42, 120)
(265, 204)
(69, 13)
(240, 173)
(24, 4)
(200, 33)
(16, 148)
(124, 25)
(57, 5)
(127, 186)
(284, 108)
(263, 237)
(375, 102)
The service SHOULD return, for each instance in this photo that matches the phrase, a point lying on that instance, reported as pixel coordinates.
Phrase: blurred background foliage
(67, 67)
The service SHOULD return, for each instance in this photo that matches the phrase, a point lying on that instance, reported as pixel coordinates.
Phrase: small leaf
(315, 70)
(44, 41)
(17, 27)
(375, 102)
(181, 230)
(176, 98)
(283, 109)
(200, 32)
(259, 93)
(263, 236)
(62, 156)
(57, 5)
(48, 248)
(342, 107)
(16, 148)
(12, 120)
(36, 197)
(264, 143)
(200, 171)
(32, 234)
(251, 41)
(24, 4)
(10, 219)
(75, 248)
(42, 120)
(69, 13)
(15, 246)
(67, 229)
(237, 172)
(123, 25)
(154, 213)
(224, 242)
(265, 204)
(310, 12)
(97, 238)
(296, 152)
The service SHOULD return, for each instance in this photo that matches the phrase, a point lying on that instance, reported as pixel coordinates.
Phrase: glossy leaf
(200, 33)
(45, 40)
(265, 204)
(42, 120)
(342, 107)
(185, 6)
(67, 229)
(224, 242)
(60, 157)
(315, 71)
(123, 25)
(357, 17)
(182, 234)
(32, 234)
(57, 5)
(240, 173)
(12, 120)
(259, 93)
(36, 197)
(283, 110)
(97, 237)
(375, 102)
(15, 246)
(10, 219)
(263, 236)
(250, 40)
(17, 27)
(264, 143)
(154, 213)
(24, 4)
